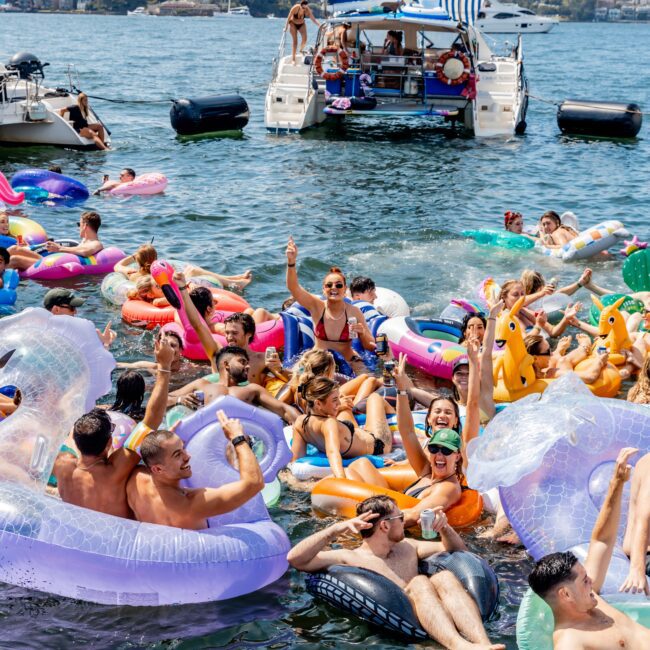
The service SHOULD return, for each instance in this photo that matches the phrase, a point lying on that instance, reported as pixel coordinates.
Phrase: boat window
(526, 12)
(503, 16)
(481, 14)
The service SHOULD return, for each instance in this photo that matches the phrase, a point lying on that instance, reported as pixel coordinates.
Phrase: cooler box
(333, 86)
(433, 86)
(352, 83)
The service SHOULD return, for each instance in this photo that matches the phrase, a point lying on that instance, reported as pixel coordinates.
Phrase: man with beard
(443, 607)
(155, 494)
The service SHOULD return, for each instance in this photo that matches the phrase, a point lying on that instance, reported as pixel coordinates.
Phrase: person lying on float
(127, 175)
(97, 477)
(155, 493)
(443, 607)
(584, 620)
(22, 257)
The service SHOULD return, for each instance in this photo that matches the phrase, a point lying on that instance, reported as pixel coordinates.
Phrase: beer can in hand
(427, 519)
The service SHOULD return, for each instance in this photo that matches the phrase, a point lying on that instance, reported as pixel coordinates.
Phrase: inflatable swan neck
(7, 194)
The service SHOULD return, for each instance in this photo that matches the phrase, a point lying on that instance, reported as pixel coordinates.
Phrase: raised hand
(401, 380)
(496, 309)
(231, 426)
(107, 335)
(164, 353)
(636, 582)
(292, 251)
(623, 470)
(362, 522)
(179, 279)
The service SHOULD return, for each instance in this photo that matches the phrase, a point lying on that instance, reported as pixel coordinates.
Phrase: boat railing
(280, 55)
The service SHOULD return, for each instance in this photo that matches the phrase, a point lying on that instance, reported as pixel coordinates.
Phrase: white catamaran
(435, 65)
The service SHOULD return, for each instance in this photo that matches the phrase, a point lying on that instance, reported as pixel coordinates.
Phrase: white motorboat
(138, 11)
(242, 11)
(446, 71)
(506, 18)
(29, 111)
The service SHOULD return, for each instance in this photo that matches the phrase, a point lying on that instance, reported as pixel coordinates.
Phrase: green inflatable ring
(535, 622)
(500, 238)
(630, 305)
(636, 270)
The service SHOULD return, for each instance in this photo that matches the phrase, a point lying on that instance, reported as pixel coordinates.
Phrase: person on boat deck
(338, 37)
(126, 176)
(174, 340)
(536, 322)
(97, 478)
(332, 314)
(393, 43)
(78, 115)
(22, 257)
(233, 366)
(584, 620)
(443, 607)
(146, 255)
(63, 302)
(155, 494)
(296, 24)
(333, 430)
(636, 542)
(553, 233)
(438, 470)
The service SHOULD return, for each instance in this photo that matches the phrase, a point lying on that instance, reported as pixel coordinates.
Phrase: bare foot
(583, 339)
(510, 538)
(563, 345)
(241, 281)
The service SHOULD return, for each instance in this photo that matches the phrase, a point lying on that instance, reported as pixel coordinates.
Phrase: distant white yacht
(505, 18)
(235, 11)
(138, 11)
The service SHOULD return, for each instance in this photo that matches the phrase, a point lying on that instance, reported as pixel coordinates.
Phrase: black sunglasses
(544, 354)
(338, 285)
(434, 449)
(400, 516)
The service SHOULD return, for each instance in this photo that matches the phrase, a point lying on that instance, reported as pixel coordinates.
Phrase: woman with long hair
(78, 114)
(640, 392)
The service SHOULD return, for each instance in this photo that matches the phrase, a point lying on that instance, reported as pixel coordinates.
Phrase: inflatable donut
(500, 238)
(59, 189)
(150, 183)
(588, 243)
(57, 266)
(374, 598)
(31, 232)
(340, 496)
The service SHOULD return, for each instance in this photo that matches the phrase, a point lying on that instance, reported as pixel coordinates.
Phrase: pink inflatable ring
(151, 183)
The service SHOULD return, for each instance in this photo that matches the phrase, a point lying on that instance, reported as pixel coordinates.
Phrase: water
(386, 200)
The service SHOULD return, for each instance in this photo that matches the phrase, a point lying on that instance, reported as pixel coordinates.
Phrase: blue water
(384, 199)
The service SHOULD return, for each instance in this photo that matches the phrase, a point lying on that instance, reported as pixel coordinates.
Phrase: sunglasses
(544, 354)
(329, 285)
(70, 307)
(400, 517)
(445, 451)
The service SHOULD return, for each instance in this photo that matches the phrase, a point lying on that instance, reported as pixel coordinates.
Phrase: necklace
(85, 469)
(328, 312)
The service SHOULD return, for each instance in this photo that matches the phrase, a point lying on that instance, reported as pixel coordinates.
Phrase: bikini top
(418, 491)
(321, 334)
(347, 423)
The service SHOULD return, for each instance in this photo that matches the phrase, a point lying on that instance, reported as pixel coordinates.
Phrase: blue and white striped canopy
(462, 11)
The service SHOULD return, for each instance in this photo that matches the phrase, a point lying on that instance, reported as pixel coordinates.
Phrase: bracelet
(492, 318)
(291, 265)
(404, 393)
(579, 285)
(163, 370)
(178, 400)
(239, 439)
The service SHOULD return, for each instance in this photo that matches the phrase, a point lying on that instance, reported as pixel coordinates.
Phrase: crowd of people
(142, 479)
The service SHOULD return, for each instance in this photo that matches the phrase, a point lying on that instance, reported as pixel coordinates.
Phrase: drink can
(270, 353)
(553, 282)
(352, 321)
(381, 341)
(427, 519)
(20, 240)
(200, 397)
(601, 349)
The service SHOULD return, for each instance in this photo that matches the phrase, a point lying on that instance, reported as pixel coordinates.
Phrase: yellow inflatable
(612, 331)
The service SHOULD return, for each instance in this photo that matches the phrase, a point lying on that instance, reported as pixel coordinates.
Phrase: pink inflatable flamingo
(7, 194)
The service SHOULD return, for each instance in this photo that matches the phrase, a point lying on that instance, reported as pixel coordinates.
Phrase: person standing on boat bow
(296, 23)
(334, 328)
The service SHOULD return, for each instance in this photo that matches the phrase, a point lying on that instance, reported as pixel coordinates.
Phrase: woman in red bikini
(331, 327)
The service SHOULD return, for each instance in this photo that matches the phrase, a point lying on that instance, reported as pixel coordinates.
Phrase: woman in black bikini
(439, 465)
(78, 114)
(296, 23)
(332, 314)
(334, 431)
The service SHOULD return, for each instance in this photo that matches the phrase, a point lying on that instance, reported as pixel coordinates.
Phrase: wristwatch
(239, 439)
(403, 392)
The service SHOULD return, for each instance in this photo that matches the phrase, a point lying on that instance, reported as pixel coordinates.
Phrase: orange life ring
(344, 63)
(440, 64)
(340, 496)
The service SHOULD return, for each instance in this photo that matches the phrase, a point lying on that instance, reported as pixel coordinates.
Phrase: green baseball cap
(446, 438)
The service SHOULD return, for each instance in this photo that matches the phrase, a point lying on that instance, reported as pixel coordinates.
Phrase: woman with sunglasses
(333, 430)
(332, 327)
(439, 466)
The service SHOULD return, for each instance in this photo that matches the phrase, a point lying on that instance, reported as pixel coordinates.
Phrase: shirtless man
(239, 332)
(443, 607)
(637, 534)
(97, 479)
(22, 257)
(126, 176)
(233, 366)
(155, 494)
(583, 620)
(362, 288)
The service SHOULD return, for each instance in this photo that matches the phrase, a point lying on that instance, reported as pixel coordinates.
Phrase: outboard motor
(604, 119)
(209, 114)
(27, 65)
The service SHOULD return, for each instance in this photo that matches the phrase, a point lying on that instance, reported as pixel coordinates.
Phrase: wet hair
(361, 284)
(551, 214)
(247, 323)
(4, 254)
(91, 219)
(92, 432)
(318, 363)
(143, 286)
(169, 334)
(464, 325)
(552, 570)
(151, 450)
(312, 388)
(202, 299)
(129, 171)
(533, 281)
(335, 270)
(533, 343)
(130, 393)
(55, 168)
(382, 505)
(640, 392)
(145, 256)
(228, 352)
(510, 216)
(505, 289)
